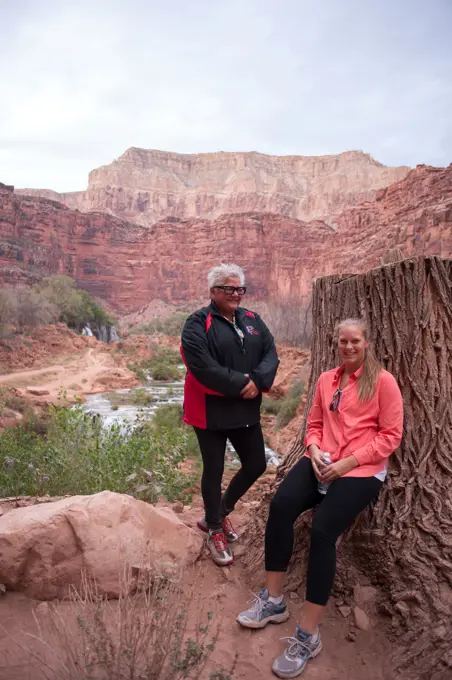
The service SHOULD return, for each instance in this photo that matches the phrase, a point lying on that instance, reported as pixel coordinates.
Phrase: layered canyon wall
(145, 186)
(129, 265)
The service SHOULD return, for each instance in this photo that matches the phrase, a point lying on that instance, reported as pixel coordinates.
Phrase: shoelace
(227, 526)
(297, 647)
(220, 541)
(257, 603)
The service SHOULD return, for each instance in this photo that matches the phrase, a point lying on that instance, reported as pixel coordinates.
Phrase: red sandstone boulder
(45, 549)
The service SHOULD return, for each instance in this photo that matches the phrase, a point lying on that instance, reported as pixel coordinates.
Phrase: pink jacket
(369, 431)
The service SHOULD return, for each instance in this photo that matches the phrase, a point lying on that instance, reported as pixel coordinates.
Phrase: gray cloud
(81, 82)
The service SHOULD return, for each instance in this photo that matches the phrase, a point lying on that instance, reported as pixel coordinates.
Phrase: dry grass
(157, 633)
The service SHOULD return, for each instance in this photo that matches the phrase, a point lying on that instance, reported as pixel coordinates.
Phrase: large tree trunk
(403, 543)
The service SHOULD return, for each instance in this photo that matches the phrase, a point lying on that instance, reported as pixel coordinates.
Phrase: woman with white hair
(231, 359)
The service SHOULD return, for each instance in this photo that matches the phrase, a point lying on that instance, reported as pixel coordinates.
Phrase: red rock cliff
(129, 265)
(145, 186)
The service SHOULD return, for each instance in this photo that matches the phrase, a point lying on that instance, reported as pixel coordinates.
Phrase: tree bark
(404, 542)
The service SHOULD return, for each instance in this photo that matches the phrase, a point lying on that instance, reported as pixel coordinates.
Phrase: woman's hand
(250, 391)
(335, 470)
(316, 460)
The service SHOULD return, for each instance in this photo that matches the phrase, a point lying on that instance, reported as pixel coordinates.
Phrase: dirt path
(226, 591)
(85, 372)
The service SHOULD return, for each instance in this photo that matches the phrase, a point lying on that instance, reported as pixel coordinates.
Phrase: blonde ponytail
(367, 381)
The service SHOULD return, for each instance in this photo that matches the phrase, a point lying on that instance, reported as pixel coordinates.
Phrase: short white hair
(222, 272)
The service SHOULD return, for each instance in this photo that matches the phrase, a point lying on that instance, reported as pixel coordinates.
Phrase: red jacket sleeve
(199, 386)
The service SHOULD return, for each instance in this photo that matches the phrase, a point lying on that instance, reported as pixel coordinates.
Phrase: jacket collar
(239, 312)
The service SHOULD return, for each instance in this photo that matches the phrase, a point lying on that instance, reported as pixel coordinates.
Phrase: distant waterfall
(87, 331)
(103, 333)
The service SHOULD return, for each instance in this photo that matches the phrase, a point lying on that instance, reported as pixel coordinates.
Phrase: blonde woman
(356, 418)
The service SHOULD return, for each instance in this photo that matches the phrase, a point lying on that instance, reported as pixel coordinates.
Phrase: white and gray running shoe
(301, 647)
(263, 611)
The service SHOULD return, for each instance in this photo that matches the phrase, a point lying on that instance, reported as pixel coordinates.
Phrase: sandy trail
(82, 373)
(226, 591)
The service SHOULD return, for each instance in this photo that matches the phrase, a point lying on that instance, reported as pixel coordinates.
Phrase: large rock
(45, 549)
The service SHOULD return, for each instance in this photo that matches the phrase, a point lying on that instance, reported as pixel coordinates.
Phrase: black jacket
(217, 361)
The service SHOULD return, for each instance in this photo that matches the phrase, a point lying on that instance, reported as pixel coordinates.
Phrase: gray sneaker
(301, 648)
(262, 611)
(219, 549)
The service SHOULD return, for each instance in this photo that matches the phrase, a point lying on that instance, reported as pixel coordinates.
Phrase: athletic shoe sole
(295, 674)
(276, 618)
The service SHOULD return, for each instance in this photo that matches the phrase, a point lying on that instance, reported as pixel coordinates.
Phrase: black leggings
(345, 499)
(249, 445)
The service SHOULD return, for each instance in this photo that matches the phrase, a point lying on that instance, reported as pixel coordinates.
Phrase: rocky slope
(145, 186)
(129, 265)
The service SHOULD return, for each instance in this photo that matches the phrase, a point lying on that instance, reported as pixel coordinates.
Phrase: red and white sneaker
(228, 529)
(219, 548)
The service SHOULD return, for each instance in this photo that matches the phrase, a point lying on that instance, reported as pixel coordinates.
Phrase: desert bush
(159, 633)
(284, 408)
(13, 401)
(290, 321)
(169, 416)
(296, 390)
(163, 365)
(54, 298)
(34, 309)
(271, 406)
(170, 325)
(21, 307)
(8, 308)
(164, 371)
(76, 307)
(78, 455)
(286, 412)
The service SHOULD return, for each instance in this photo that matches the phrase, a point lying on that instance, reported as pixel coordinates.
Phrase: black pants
(345, 499)
(249, 445)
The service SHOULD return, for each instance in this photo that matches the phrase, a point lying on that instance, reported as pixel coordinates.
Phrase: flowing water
(162, 393)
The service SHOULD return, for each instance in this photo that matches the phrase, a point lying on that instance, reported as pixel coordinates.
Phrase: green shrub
(75, 307)
(141, 398)
(137, 397)
(170, 325)
(140, 372)
(166, 355)
(15, 402)
(271, 406)
(285, 409)
(80, 456)
(167, 416)
(164, 371)
(296, 390)
(286, 412)
(162, 366)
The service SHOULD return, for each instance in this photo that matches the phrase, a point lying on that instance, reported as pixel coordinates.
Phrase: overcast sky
(81, 81)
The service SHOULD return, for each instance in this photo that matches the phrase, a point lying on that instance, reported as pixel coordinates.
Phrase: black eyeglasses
(230, 290)
(335, 401)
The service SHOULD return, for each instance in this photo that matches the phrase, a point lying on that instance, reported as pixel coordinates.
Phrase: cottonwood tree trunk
(404, 542)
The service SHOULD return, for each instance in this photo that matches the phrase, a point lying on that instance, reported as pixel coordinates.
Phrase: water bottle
(323, 486)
